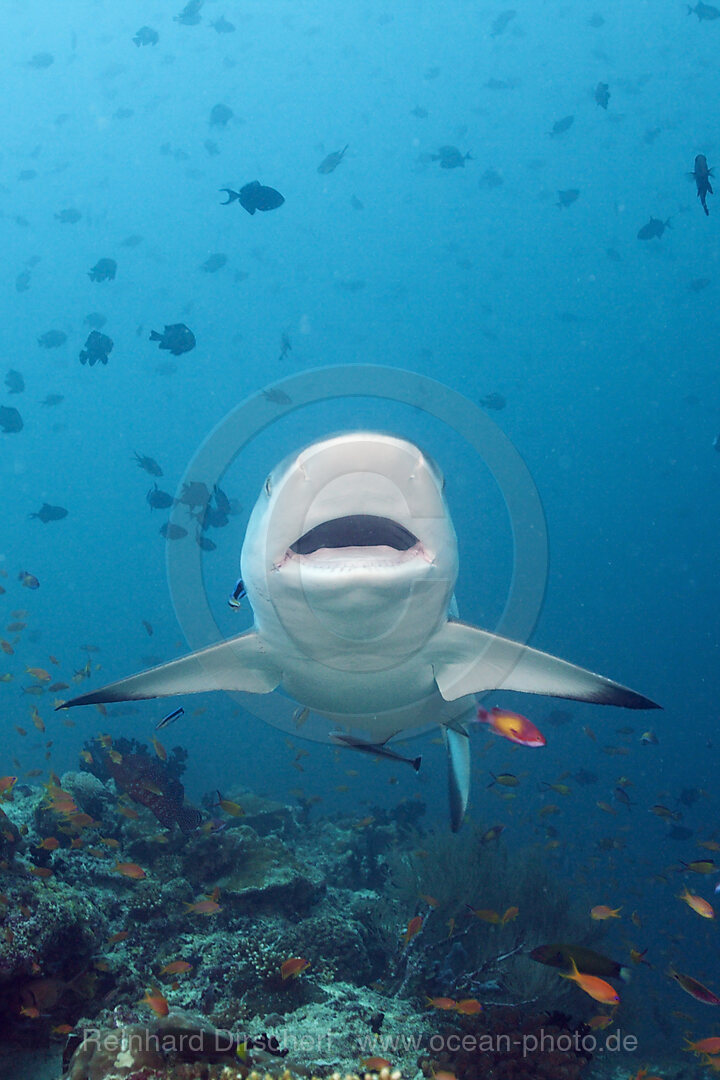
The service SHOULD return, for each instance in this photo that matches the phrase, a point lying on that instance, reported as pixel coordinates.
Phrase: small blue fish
(170, 718)
(237, 594)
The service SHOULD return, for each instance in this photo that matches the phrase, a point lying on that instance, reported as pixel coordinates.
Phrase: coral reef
(106, 918)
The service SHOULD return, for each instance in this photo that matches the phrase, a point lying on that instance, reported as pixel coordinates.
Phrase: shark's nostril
(355, 530)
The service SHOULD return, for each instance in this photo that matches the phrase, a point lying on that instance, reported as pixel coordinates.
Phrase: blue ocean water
(602, 347)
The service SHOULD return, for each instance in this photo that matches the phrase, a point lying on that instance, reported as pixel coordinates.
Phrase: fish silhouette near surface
(255, 196)
(654, 228)
(331, 162)
(701, 175)
(704, 12)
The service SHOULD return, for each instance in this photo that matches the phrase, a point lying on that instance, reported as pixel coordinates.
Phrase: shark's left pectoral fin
(457, 744)
(467, 660)
(241, 663)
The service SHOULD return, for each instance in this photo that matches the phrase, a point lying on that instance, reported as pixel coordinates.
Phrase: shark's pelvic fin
(458, 748)
(467, 660)
(240, 663)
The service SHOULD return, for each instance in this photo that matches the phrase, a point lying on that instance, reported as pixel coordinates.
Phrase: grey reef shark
(349, 563)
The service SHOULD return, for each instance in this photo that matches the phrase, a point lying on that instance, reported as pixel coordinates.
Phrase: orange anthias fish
(512, 726)
(602, 911)
(705, 1046)
(7, 783)
(204, 907)
(413, 927)
(442, 1003)
(698, 904)
(596, 987)
(130, 870)
(155, 1001)
(469, 1007)
(290, 969)
(176, 967)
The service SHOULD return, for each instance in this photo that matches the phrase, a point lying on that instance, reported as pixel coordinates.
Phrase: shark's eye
(268, 486)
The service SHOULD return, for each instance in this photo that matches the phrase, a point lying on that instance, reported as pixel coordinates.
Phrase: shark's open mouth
(355, 531)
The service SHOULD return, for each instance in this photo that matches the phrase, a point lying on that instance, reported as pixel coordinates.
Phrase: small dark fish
(422, 114)
(146, 36)
(567, 197)
(352, 285)
(29, 580)
(103, 270)
(123, 113)
(602, 95)
(190, 14)
(149, 464)
(195, 494)
(689, 796)
(68, 217)
(493, 401)
(587, 960)
(277, 397)
(53, 399)
(158, 500)
(702, 174)
(698, 284)
(172, 532)
(170, 718)
(584, 777)
(43, 60)
(212, 518)
(95, 320)
(356, 204)
(561, 126)
(214, 263)
(501, 22)
(97, 348)
(704, 11)
(222, 26)
(596, 21)
(679, 832)
(255, 196)
(10, 420)
(50, 513)
(52, 339)
(148, 628)
(22, 281)
(14, 382)
(331, 162)
(220, 115)
(374, 748)
(221, 500)
(490, 179)
(131, 241)
(450, 157)
(204, 542)
(212, 147)
(235, 597)
(654, 228)
(176, 338)
(285, 346)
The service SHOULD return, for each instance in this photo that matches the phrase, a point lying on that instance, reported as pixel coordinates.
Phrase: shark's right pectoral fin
(467, 660)
(240, 663)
